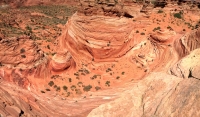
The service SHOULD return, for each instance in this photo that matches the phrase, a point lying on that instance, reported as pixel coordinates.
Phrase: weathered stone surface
(158, 95)
(189, 66)
(13, 110)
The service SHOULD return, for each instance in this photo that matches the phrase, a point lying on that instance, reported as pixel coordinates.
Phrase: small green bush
(65, 87)
(108, 70)
(87, 88)
(58, 89)
(157, 28)
(107, 83)
(55, 86)
(51, 83)
(178, 15)
(97, 88)
(22, 50)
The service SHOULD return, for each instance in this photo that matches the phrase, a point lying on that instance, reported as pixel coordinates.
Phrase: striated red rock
(21, 59)
(97, 38)
(109, 48)
(187, 43)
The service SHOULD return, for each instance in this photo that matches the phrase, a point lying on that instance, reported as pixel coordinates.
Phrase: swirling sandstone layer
(22, 61)
(106, 55)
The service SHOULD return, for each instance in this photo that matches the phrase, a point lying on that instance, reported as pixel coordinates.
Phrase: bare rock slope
(143, 66)
(159, 94)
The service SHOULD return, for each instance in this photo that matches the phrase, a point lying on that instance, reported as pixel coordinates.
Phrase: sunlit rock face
(97, 37)
(108, 52)
(155, 96)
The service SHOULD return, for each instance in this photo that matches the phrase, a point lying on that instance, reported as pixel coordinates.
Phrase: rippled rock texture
(137, 62)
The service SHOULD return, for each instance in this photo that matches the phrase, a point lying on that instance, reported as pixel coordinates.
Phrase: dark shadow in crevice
(127, 15)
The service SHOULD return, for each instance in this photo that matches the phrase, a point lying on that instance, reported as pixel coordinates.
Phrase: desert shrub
(22, 50)
(142, 33)
(76, 74)
(108, 70)
(51, 83)
(86, 71)
(94, 77)
(54, 76)
(169, 27)
(42, 92)
(97, 88)
(107, 83)
(87, 88)
(23, 56)
(48, 47)
(123, 73)
(55, 86)
(65, 87)
(78, 91)
(79, 84)
(178, 15)
(157, 28)
(137, 31)
(29, 28)
(48, 90)
(70, 80)
(160, 11)
(117, 77)
(73, 87)
(196, 26)
(58, 89)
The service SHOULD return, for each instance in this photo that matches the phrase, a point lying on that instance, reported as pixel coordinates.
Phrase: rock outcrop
(21, 60)
(105, 53)
(159, 95)
(189, 66)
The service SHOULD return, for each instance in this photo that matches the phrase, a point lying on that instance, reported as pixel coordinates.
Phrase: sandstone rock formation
(142, 64)
(188, 67)
(159, 94)
(21, 60)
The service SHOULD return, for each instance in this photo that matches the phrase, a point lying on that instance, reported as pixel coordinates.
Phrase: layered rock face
(98, 38)
(152, 71)
(21, 60)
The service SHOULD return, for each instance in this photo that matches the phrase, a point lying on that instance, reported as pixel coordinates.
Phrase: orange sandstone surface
(105, 65)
